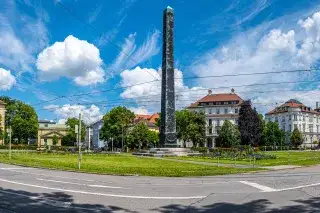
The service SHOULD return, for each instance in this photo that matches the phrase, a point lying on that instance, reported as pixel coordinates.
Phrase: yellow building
(2, 116)
(46, 131)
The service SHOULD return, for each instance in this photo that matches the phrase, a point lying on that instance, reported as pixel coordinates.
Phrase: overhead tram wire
(100, 34)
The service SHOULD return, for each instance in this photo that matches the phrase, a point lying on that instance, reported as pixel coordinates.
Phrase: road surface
(30, 190)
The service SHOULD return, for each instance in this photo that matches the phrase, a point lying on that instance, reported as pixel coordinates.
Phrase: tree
(190, 126)
(71, 123)
(115, 124)
(296, 138)
(272, 135)
(250, 125)
(68, 140)
(153, 138)
(229, 135)
(139, 135)
(22, 118)
(55, 140)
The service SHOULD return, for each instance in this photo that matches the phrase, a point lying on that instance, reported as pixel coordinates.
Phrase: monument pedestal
(161, 152)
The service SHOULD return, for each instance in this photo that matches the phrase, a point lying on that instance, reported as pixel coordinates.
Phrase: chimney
(209, 92)
(232, 90)
(317, 105)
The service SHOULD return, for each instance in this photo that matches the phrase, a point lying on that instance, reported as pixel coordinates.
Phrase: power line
(100, 34)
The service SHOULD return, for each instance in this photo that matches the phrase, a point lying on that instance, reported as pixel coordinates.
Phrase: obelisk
(168, 121)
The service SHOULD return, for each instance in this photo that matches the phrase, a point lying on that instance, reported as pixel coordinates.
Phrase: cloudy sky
(70, 56)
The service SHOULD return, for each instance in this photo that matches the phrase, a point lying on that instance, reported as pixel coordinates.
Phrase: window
(237, 121)
(225, 102)
(318, 119)
(210, 111)
(310, 128)
(236, 111)
(290, 128)
(45, 141)
(218, 111)
(304, 118)
(296, 126)
(210, 122)
(284, 128)
(210, 130)
(225, 111)
(289, 117)
(299, 127)
(276, 119)
(311, 118)
(218, 122)
(304, 127)
(46, 125)
(283, 118)
(295, 117)
(317, 128)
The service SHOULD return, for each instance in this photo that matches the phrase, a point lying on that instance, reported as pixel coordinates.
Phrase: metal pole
(89, 140)
(122, 140)
(10, 130)
(79, 142)
(111, 144)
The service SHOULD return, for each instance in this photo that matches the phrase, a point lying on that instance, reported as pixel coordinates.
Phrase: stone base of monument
(161, 152)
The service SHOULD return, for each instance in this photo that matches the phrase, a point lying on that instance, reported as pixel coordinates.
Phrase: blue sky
(52, 51)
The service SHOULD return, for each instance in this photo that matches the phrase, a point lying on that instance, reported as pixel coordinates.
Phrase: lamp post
(9, 130)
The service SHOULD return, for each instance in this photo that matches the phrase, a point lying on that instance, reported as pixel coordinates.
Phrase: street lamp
(9, 130)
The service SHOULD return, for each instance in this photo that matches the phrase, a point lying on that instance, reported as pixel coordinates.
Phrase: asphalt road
(30, 190)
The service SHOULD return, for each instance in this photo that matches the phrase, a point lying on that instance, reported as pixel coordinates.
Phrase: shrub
(200, 149)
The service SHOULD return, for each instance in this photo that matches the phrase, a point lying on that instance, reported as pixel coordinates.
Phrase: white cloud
(6, 79)
(89, 114)
(72, 58)
(139, 110)
(131, 55)
(51, 107)
(148, 95)
(250, 53)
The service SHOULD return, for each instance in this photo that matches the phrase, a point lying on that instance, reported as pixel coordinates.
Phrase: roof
(292, 103)
(150, 118)
(220, 97)
(153, 118)
(46, 122)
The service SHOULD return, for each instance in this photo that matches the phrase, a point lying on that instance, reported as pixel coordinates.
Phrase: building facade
(217, 108)
(93, 131)
(293, 114)
(47, 130)
(2, 118)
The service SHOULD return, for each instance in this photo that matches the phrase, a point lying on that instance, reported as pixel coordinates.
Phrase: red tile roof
(221, 97)
(150, 118)
(292, 104)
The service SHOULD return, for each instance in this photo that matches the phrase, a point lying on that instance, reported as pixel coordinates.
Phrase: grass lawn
(300, 158)
(117, 164)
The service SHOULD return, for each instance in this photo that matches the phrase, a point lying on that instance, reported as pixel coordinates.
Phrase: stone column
(168, 121)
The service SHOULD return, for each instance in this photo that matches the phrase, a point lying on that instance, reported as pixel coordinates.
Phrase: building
(217, 109)
(93, 131)
(2, 118)
(47, 129)
(149, 120)
(293, 114)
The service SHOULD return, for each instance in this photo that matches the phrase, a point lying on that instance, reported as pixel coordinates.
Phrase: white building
(293, 114)
(93, 132)
(217, 108)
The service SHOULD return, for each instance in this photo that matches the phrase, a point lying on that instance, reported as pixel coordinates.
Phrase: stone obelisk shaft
(168, 121)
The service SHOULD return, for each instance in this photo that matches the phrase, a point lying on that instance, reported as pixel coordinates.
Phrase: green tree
(22, 118)
(115, 125)
(229, 135)
(272, 135)
(139, 134)
(296, 138)
(250, 125)
(153, 138)
(190, 126)
(71, 123)
(55, 140)
(68, 140)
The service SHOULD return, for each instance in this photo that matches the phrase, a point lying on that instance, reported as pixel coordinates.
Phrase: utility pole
(79, 142)
(10, 132)
(112, 144)
(122, 140)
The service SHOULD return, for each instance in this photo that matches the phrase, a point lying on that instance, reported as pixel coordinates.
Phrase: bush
(200, 149)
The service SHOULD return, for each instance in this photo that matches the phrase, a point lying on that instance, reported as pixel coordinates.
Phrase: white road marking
(258, 186)
(111, 187)
(299, 187)
(80, 184)
(102, 194)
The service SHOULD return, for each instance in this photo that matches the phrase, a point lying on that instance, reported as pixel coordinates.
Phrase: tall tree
(250, 125)
(229, 135)
(296, 138)
(22, 118)
(273, 135)
(139, 135)
(190, 126)
(115, 125)
(55, 140)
